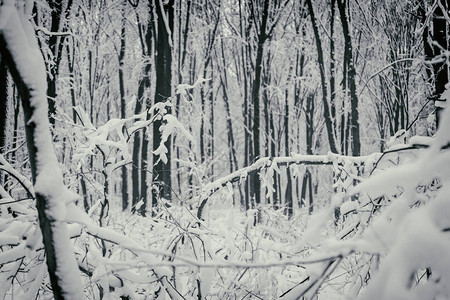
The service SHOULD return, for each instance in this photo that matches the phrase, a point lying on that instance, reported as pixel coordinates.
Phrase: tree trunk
(307, 180)
(329, 122)
(3, 102)
(163, 91)
(182, 51)
(351, 78)
(288, 193)
(256, 87)
(124, 170)
(440, 39)
(332, 67)
(51, 194)
(60, 10)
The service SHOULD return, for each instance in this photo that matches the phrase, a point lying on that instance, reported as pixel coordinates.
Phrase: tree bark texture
(326, 107)
(349, 68)
(123, 104)
(60, 10)
(3, 102)
(440, 37)
(162, 181)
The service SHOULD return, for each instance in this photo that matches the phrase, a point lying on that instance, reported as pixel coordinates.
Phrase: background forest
(224, 149)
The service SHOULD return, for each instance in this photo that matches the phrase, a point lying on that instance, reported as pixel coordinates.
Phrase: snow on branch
(18, 45)
(47, 32)
(275, 162)
(23, 181)
(106, 234)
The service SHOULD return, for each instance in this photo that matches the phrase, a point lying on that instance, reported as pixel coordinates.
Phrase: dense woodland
(224, 149)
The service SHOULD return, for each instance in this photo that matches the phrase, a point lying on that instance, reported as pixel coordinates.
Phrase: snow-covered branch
(18, 45)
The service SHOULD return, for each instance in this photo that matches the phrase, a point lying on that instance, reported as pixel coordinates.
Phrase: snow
(421, 140)
(181, 88)
(349, 206)
(390, 239)
(22, 45)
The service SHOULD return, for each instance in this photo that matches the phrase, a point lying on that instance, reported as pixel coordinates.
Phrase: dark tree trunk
(245, 202)
(256, 87)
(332, 65)
(59, 12)
(183, 35)
(349, 67)
(288, 193)
(307, 179)
(124, 171)
(230, 134)
(329, 122)
(210, 144)
(276, 200)
(138, 183)
(440, 68)
(3, 102)
(163, 90)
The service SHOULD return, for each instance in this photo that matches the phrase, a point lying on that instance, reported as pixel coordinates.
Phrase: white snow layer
(22, 45)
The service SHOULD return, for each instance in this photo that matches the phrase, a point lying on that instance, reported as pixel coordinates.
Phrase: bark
(441, 68)
(146, 45)
(210, 144)
(332, 66)
(3, 102)
(288, 193)
(60, 10)
(230, 133)
(183, 35)
(326, 107)
(256, 87)
(307, 179)
(245, 202)
(162, 180)
(70, 64)
(124, 170)
(273, 153)
(50, 202)
(351, 78)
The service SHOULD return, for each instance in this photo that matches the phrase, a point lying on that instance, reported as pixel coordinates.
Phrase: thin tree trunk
(3, 103)
(332, 67)
(288, 193)
(329, 122)
(275, 199)
(351, 79)
(441, 68)
(124, 170)
(211, 122)
(182, 51)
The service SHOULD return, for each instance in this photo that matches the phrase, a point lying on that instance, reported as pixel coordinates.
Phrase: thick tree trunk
(60, 10)
(256, 87)
(162, 175)
(51, 194)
